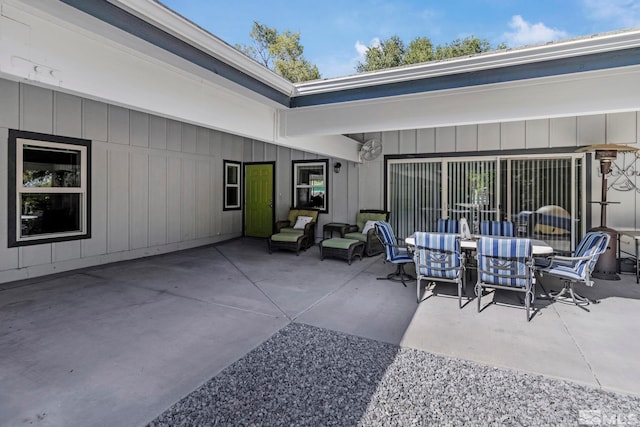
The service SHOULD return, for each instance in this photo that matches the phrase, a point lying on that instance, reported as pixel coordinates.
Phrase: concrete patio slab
(376, 309)
(118, 344)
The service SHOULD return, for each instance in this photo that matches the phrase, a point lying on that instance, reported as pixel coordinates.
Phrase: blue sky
(335, 33)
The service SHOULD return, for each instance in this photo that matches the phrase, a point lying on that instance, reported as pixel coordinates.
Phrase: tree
(462, 47)
(392, 53)
(281, 53)
(289, 62)
(419, 50)
(389, 53)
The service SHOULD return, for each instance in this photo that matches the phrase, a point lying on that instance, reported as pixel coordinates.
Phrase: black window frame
(294, 184)
(13, 192)
(226, 185)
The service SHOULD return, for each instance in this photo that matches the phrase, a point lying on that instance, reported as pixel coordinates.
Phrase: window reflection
(310, 186)
(49, 213)
(50, 167)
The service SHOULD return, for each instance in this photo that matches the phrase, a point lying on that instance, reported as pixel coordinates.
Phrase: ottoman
(341, 248)
(289, 241)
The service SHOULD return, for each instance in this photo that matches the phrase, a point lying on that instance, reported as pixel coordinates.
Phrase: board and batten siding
(344, 200)
(569, 132)
(156, 183)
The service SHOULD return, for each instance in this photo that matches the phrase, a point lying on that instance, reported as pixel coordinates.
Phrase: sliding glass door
(542, 195)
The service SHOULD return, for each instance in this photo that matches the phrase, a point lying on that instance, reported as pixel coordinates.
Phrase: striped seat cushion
(503, 261)
(437, 255)
(448, 226)
(497, 228)
(394, 253)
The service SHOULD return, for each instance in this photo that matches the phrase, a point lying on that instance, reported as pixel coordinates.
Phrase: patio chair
(448, 226)
(300, 221)
(394, 253)
(577, 268)
(363, 230)
(497, 228)
(438, 258)
(506, 264)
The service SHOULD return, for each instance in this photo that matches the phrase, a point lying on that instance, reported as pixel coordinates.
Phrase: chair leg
(573, 296)
(398, 275)
(478, 290)
(418, 290)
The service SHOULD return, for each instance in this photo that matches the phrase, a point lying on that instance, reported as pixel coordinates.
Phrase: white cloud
(624, 13)
(361, 48)
(526, 33)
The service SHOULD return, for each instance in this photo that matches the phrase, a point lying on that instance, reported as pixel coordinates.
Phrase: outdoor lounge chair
(394, 253)
(363, 230)
(438, 258)
(577, 268)
(300, 221)
(505, 263)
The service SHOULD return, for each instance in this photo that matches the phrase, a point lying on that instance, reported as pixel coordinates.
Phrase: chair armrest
(352, 228)
(559, 259)
(309, 227)
(281, 224)
(570, 258)
(396, 246)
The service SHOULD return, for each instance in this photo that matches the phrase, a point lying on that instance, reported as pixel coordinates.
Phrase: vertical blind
(472, 191)
(415, 202)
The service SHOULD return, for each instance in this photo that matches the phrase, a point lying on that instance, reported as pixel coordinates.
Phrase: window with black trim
(310, 185)
(49, 188)
(231, 186)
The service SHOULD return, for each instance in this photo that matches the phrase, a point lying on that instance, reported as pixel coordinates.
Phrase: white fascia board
(173, 23)
(595, 92)
(491, 60)
(336, 146)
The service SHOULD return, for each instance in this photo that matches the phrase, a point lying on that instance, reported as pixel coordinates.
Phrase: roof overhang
(141, 55)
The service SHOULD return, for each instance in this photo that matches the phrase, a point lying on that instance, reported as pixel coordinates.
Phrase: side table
(332, 227)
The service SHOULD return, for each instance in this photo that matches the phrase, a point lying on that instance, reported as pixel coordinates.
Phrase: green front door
(258, 217)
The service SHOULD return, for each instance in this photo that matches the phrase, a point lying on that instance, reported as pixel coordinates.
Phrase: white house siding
(570, 132)
(156, 183)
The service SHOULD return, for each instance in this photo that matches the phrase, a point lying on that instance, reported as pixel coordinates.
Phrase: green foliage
(280, 52)
(289, 62)
(392, 52)
(419, 50)
(462, 47)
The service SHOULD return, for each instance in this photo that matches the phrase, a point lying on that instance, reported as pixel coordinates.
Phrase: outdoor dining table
(539, 248)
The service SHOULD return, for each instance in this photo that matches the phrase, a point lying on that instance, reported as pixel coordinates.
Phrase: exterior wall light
(336, 167)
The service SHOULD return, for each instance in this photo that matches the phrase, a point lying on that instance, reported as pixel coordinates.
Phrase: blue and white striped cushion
(490, 269)
(497, 228)
(441, 258)
(394, 253)
(448, 226)
(594, 243)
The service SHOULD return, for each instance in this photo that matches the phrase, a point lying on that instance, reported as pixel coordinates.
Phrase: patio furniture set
(502, 261)
(297, 232)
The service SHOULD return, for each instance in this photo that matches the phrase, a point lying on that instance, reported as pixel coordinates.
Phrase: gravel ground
(307, 376)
